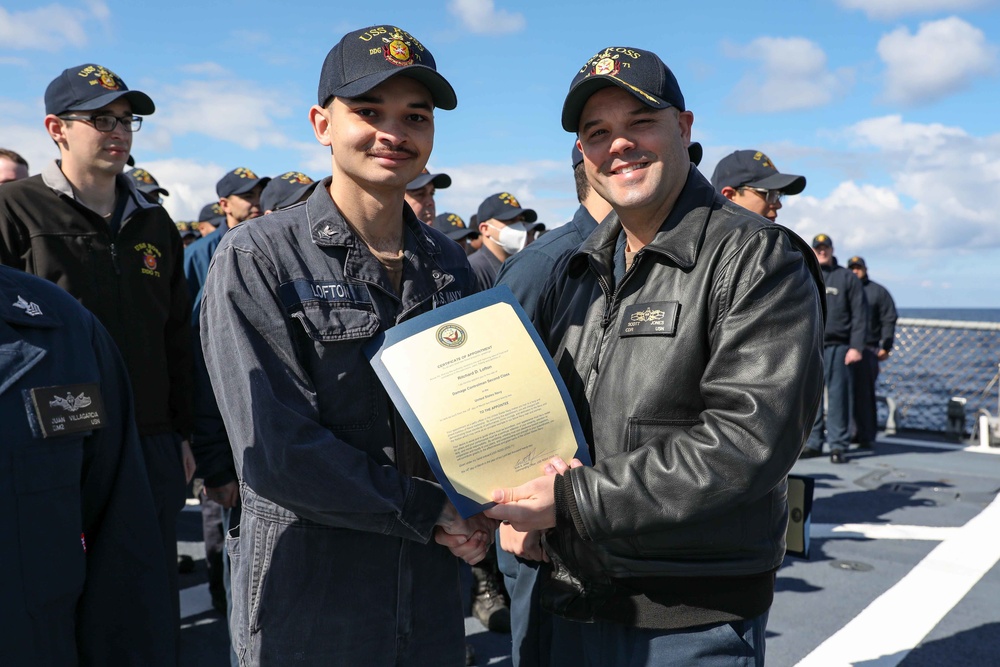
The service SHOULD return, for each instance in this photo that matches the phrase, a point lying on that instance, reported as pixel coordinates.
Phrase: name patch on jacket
(68, 408)
(650, 319)
(300, 291)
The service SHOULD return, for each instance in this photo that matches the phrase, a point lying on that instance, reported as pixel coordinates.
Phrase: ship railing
(939, 374)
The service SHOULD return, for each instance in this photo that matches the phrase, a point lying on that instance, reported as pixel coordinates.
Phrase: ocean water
(965, 314)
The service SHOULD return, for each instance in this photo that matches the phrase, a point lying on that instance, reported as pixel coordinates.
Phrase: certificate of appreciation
(480, 394)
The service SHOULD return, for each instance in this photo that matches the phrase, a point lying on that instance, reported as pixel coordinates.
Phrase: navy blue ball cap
(453, 226)
(753, 169)
(88, 87)
(212, 213)
(285, 190)
(503, 206)
(365, 58)
(237, 182)
(640, 73)
(440, 181)
(145, 183)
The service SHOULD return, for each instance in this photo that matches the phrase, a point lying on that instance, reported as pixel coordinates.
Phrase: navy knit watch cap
(365, 58)
(640, 73)
(88, 87)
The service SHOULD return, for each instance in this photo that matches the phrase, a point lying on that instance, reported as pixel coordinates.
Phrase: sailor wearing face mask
(506, 229)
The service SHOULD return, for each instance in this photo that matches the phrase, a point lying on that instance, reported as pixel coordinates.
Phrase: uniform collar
(328, 227)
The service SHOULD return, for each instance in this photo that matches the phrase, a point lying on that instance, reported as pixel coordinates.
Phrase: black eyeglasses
(107, 122)
(772, 197)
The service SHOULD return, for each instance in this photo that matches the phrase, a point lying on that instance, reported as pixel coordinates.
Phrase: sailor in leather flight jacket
(696, 375)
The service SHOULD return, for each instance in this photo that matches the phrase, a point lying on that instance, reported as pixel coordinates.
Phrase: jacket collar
(54, 178)
(678, 238)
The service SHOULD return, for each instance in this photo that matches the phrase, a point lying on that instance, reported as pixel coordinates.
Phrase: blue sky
(887, 106)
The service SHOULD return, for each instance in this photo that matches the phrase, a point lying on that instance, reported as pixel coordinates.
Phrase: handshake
(526, 512)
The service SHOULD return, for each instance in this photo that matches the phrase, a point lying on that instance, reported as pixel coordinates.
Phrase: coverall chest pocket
(346, 385)
(50, 523)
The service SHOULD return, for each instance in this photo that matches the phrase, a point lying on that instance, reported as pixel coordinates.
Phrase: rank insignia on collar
(30, 307)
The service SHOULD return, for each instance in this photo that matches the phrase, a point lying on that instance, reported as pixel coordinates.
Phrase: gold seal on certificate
(480, 394)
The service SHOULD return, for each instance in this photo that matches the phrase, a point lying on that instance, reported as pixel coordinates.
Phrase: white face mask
(512, 238)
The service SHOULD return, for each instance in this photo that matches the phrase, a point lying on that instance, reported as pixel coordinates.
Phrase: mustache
(390, 151)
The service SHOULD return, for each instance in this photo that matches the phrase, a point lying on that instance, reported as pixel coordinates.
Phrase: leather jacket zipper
(610, 299)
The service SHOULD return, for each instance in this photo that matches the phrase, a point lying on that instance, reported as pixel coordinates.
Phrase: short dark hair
(582, 184)
(14, 157)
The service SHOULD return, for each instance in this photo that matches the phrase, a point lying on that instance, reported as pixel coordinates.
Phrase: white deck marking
(963, 446)
(881, 531)
(890, 627)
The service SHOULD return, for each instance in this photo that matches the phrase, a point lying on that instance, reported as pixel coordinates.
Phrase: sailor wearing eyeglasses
(750, 179)
(86, 227)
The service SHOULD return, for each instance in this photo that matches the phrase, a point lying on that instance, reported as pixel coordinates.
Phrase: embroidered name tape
(68, 408)
(650, 319)
(300, 291)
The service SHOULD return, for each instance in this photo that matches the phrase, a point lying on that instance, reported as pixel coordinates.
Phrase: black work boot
(488, 603)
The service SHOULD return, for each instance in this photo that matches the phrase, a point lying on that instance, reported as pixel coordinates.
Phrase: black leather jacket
(696, 379)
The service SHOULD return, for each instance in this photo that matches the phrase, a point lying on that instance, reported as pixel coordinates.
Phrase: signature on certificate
(533, 459)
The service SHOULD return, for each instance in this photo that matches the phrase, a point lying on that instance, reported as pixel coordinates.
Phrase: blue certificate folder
(439, 316)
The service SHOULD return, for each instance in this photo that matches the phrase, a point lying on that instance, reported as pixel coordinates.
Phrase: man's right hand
(468, 539)
(226, 495)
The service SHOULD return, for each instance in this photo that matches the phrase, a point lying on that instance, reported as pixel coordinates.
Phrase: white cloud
(481, 16)
(935, 201)
(792, 75)
(50, 28)
(942, 57)
(237, 111)
(543, 185)
(191, 184)
(892, 9)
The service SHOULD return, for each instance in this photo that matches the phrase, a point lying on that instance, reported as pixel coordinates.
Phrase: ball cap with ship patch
(239, 181)
(440, 181)
(365, 58)
(285, 190)
(453, 227)
(88, 87)
(212, 213)
(640, 73)
(856, 261)
(503, 206)
(822, 239)
(753, 169)
(145, 182)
